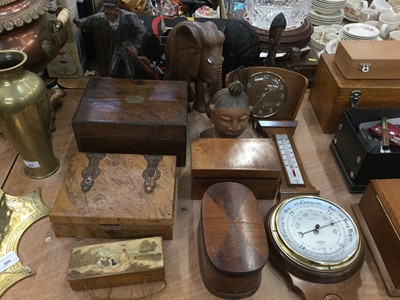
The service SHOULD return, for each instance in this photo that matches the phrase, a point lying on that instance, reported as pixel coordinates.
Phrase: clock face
(267, 93)
(315, 233)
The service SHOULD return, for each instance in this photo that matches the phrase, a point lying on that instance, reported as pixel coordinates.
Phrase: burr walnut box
(116, 264)
(378, 214)
(116, 196)
(252, 162)
(331, 93)
(132, 116)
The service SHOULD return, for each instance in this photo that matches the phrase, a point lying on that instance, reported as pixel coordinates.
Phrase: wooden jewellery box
(378, 214)
(132, 116)
(359, 156)
(252, 162)
(366, 59)
(331, 93)
(232, 241)
(116, 264)
(117, 205)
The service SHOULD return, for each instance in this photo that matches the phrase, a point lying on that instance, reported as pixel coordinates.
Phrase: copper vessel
(25, 25)
(26, 114)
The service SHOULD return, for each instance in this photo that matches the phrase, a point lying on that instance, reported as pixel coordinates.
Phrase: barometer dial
(315, 233)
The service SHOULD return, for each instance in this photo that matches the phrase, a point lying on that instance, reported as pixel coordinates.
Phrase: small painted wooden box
(117, 205)
(116, 264)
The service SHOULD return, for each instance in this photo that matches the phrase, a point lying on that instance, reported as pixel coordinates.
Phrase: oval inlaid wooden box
(233, 246)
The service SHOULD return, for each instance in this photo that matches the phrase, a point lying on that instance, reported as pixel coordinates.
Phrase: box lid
(388, 191)
(234, 158)
(233, 229)
(366, 59)
(118, 195)
(112, 107)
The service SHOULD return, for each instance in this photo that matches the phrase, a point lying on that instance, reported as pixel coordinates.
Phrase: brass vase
(26, 114)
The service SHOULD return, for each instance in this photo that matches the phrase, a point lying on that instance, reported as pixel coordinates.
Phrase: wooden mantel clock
(317, 247)
(275, 96)
(274, 93)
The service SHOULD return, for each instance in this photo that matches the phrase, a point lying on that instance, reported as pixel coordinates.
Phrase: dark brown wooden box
(117, 205)
(132, 116)
(356, 158)
(378, 214)
(331, 93)
(252, 162)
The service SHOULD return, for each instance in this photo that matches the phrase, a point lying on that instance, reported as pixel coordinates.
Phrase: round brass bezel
(300, 259)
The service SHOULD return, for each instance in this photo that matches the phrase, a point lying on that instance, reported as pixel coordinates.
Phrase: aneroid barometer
(317, 247)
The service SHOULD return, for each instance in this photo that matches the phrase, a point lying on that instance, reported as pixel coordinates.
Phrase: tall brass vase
(26, 116)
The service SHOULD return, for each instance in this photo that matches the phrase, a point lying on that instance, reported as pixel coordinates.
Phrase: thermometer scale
(289, 161)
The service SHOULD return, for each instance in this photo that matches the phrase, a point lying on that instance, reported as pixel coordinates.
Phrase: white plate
(360, 30)
(350, 19)
(331, 46)
(324, 11)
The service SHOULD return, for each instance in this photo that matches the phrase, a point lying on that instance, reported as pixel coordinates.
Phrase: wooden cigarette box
(132, 116)
(117, 205)
(364, 59)
(378, 214)
(251, 162)
(232, 241)
(357, 154)
(331, 93)
(116, 264)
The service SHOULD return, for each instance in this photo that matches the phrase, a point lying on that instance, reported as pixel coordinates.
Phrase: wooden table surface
(48, 255)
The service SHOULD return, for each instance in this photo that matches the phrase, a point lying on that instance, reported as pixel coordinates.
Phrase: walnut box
(363, 59)
(116, 264)
(232, 241)
(378, 214)
(117, 205)
(132, 116)
(331, 93)
(252, 162)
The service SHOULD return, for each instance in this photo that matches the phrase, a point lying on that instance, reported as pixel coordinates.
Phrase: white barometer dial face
(315, 232)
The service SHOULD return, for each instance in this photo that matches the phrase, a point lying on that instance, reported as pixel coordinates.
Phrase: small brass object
(134, 99)
(151, 173)
(16, 215)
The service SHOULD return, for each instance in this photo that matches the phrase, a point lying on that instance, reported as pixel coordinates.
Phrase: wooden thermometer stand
(294, 181)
